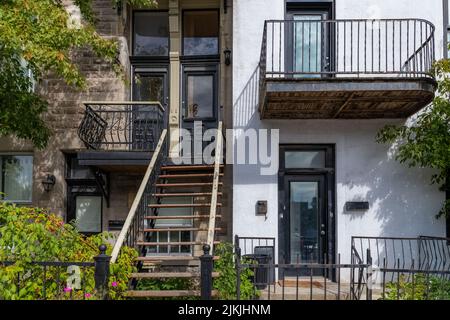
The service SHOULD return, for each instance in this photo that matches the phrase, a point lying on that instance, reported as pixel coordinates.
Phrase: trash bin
(261, 275)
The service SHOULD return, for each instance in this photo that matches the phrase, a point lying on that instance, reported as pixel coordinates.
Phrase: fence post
(206, 268)
(237, 261)
(101, 273)
(369, 276)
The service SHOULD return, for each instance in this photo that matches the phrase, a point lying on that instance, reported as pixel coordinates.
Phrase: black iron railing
(297, 281)
(122, 126)
(347, 48)
(57, 280)
(420, 253)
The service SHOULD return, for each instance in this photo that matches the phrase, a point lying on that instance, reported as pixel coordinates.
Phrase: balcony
(120, 134)
(346, 69)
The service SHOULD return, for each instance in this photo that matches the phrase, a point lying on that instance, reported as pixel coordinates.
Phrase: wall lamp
(227, 54)
(49, 182)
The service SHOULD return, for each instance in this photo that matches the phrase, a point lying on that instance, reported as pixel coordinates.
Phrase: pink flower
(67, 289)
(87, 295)
(114, 284)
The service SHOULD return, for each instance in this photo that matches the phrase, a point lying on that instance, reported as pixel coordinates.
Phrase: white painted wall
(402, 201)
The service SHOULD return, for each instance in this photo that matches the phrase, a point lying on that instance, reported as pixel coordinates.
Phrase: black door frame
(329, 201)
(325, 7)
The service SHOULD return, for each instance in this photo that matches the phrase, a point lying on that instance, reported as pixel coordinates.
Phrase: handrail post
(237, 262)
(206, 268)
(369, 276)
(101, 273)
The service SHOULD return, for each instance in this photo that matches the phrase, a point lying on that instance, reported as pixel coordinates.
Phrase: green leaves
(225, 284)
(426, 142)
(31, 234)
(38, 33)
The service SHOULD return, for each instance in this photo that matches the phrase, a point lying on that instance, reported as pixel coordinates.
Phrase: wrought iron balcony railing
(297, 49)
(122, 126)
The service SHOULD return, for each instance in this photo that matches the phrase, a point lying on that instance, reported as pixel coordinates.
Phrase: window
(446, 7)
(84, 197)
(88, 214)
(16, 178)
(200, 96)
(200, 32)
(200, 92)
(151, 33)
(304, 159)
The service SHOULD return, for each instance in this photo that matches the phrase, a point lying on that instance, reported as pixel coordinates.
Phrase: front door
(306, 224)
(306, 219)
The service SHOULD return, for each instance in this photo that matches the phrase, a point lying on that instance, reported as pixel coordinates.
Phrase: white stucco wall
(402, 201)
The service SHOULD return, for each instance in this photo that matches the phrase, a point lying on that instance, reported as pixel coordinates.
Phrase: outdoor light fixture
(227, 54)
(49, 182)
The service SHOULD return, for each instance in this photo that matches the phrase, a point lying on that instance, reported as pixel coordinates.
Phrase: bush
(438, 288)
(32, 234)
(225, 284)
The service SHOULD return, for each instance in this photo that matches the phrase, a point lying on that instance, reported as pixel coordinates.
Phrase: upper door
(308, 51)
(149, 84)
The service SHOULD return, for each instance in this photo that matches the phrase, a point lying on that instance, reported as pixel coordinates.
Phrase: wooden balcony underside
(345, 98)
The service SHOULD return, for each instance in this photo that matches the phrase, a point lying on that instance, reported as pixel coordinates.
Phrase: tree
(36, 36)
(426, 141)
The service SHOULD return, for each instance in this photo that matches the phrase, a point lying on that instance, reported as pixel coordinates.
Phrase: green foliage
(437, 288)
(31, 234)
(21, 108)
(426, 142)
(225, 284)
(38, 33)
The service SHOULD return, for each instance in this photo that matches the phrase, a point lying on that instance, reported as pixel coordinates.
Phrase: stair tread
(174, 243)
(182, 205)
(187, 184)
(178, 229)
(164, 293)
(153, 275)
(178, 217)
(188, 175)
(170, 258)
(184, 194)
(189, 167)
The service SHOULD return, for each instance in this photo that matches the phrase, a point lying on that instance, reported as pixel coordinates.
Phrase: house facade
(316, 79)
(326, 74)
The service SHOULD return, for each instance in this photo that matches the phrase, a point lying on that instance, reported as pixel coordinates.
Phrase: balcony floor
(345, 98)
(119, 161)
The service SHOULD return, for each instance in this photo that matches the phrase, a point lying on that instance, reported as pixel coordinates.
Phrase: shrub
(438, 288)
(32, 234)
(225, 284)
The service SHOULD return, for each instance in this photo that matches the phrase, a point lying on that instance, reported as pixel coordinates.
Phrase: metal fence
(380, 268)
(122, 126)
(347, 48)
(57, 280)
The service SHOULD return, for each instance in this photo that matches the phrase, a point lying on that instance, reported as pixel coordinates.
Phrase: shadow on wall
(246, 105)
(401, 199)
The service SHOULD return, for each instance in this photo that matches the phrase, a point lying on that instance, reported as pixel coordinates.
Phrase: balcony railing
(122, 126)
(297, 49)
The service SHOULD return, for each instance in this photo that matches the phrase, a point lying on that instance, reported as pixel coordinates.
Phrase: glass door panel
(147, 87)
(308, 43)
(304, 222)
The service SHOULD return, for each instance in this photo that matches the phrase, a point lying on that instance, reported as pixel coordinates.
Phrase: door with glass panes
(308, 53)
(149, 84)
